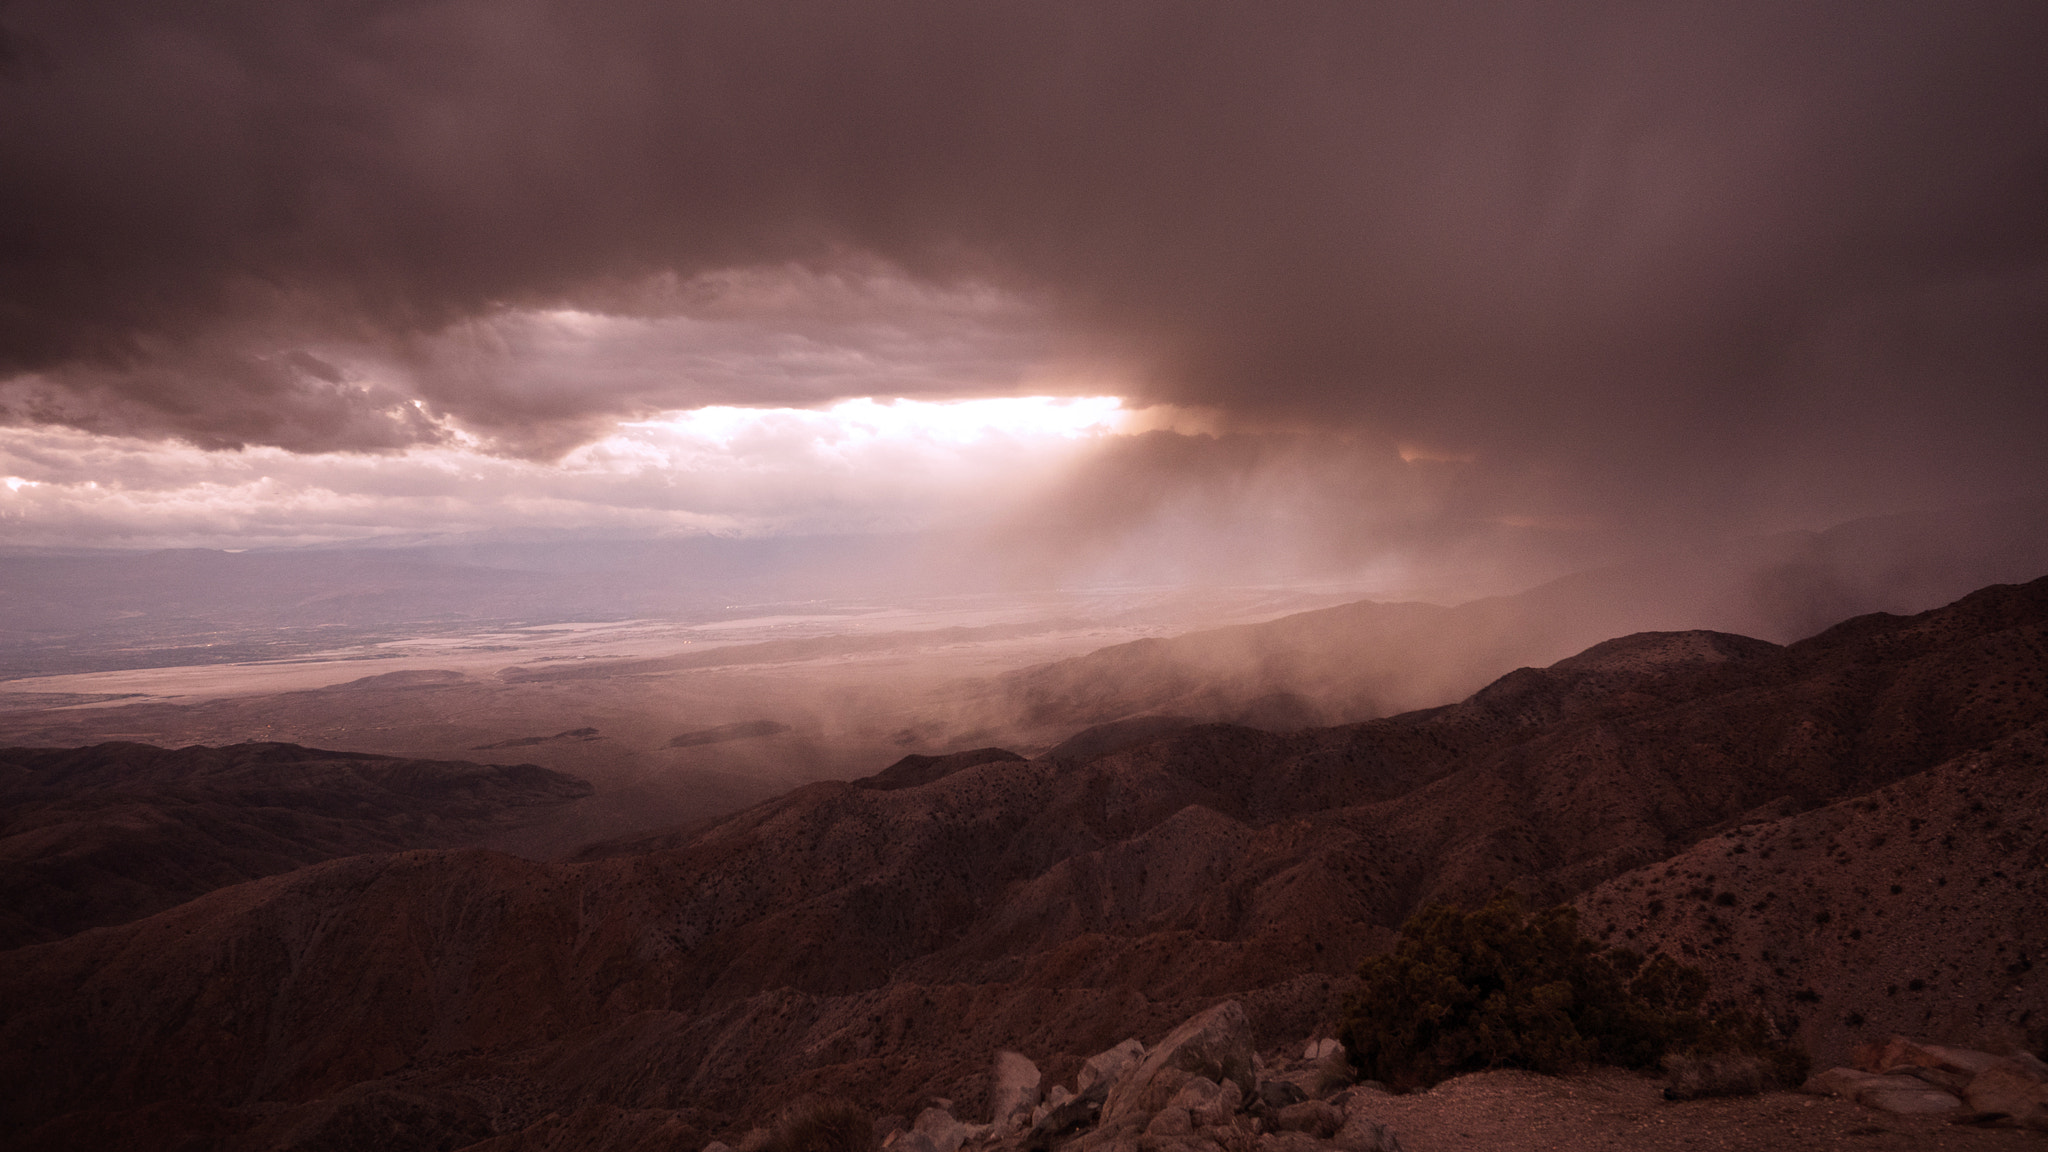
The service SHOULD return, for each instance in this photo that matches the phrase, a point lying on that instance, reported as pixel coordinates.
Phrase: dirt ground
(1517, 1111)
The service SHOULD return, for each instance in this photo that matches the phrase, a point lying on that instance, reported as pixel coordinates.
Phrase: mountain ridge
(881, 943)
(1365, 659)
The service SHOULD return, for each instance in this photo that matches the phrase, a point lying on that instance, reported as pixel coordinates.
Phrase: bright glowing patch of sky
(857, 465)
(862, 421)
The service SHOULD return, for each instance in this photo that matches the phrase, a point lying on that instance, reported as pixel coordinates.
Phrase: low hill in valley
(107, 834)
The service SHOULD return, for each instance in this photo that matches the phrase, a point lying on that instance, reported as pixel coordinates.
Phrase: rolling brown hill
(881, 941)
(111, 833)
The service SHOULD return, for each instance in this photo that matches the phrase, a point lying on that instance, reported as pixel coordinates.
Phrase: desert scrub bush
(1498, 987)
(821, 1124)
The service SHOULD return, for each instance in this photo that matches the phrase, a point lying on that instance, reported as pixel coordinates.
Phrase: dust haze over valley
(852, 684)
(571, 574)
(397, 651)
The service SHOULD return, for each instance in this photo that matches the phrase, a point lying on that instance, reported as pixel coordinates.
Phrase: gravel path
(1516, 1111)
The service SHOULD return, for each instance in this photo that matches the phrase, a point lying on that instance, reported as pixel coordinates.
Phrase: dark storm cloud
(1707, 253)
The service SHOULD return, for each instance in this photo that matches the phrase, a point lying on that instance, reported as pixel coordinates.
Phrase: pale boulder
(1942, 1078)
(1013, 1092)
(1902, 1094)
(1102, 1070)
(911, 1142)
(1316, 1117)
(938, 1126)
(1838, 1082)
(1361, 1134)
(1171, 1124)
(1208, 1103)
(1216, 1044)
(1907, 1096)
(1898, 1052)
(2010, 1089)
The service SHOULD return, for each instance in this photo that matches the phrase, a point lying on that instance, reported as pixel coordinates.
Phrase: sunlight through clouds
(864, 420)
(856, 465)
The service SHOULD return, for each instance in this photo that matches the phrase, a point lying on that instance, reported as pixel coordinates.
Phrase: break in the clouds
(1658, 262)
(856, 465)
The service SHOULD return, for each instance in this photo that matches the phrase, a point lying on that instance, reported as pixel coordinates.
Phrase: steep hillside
(108, 834)
(880, 938)
(1918, 909)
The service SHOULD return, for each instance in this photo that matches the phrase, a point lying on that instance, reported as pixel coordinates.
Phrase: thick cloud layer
(1666, 260)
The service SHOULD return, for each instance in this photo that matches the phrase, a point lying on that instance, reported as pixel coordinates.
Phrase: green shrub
(822, 1124)
(1501, 988)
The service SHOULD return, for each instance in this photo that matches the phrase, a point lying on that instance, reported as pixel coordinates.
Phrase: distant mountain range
(1368, 659)
(79, 612)
(1848, 832)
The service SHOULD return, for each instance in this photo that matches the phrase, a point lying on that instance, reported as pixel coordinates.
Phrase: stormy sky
(285, 271)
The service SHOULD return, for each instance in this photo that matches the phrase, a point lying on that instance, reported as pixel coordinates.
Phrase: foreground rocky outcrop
(1899, 1075)
(1202, 1088)
(879, 942)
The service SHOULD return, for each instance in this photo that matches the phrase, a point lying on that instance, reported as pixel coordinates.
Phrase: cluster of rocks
(1899, 1075)
(1201, 1089)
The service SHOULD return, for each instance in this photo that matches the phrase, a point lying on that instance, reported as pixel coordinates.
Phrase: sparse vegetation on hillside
(1502, 988)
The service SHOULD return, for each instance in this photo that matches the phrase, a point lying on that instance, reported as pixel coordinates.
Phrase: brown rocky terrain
(1919, 908)
(880, 939)
(111, 833)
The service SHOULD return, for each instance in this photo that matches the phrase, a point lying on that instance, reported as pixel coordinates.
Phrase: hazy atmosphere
(800, 576)
(1065, 325)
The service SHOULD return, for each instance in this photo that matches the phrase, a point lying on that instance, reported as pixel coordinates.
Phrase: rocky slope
(108, 834)
(881, 938)
(1919, 908)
